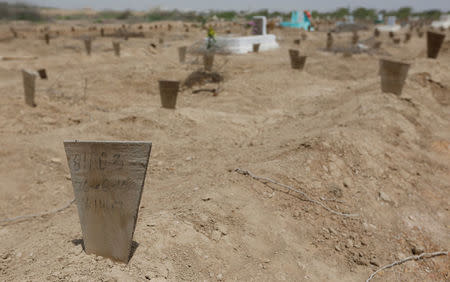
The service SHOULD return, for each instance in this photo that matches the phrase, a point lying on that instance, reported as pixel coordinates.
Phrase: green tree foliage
(365, 14)
(19, 11)
(404, 13)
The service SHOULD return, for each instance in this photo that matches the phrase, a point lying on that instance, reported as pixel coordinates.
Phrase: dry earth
(328, 131)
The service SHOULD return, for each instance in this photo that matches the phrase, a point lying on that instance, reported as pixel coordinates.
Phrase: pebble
(56, 160)
(417, 250)
(219, 277)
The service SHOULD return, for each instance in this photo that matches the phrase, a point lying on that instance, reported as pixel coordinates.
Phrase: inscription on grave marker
(108, 179)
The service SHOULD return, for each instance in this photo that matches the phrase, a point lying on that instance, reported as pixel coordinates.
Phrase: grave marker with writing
(108, 179)
(29, 85)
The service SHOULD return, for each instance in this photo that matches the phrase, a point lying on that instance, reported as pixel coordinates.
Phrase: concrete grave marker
(182, 54)
(42, 73)
(434, 43)
(407, 37)
(108, 179)
(297, 61)
(168, 91)
(29, 85)
(88, 45)
(355, 38)
(208, 61)
(393, 75)
(376, 32)
(116, 46)
(260, 25)
(256, 47)
(330, 41)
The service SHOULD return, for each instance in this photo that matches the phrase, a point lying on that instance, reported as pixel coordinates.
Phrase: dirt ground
(327, 131)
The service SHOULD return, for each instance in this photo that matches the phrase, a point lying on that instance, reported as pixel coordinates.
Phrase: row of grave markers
(393, 73)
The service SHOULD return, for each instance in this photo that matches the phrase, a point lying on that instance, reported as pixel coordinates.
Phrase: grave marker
(116, 46)
(434, 43)
(355, 38)
(297, 61)
(108, 179)
(260, 25)
(407, 37)
(376, 32)
(329, 41)
(297, 41)
(88, 45)
(168, 91)
(208, 61)
(42, 73)
(256, 47)
(393, 75)
(47, 38)
(29, 85)
(182, 54)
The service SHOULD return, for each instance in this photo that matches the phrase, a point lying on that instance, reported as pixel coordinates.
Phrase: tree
(404, 13)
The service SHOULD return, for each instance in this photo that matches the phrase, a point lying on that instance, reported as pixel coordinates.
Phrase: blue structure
(305, 23)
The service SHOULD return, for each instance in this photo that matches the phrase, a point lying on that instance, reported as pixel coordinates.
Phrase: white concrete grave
(244, 44)
(108, 179)
(391, 25)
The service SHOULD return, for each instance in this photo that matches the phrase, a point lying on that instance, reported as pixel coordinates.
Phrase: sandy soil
(328, 131)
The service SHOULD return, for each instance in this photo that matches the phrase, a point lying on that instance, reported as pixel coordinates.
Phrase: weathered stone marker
(260, 25)
(407, 37)
(208, 61)
(393, 75)
(297, 61)
(42, 73)
(29, 85)
(434, 43)
(108, 179)
(355, 38)
(116, 46)
(329, 41)
(168, 90)
(256, 48)
(88, 45)
(182, 54)
(376, 32)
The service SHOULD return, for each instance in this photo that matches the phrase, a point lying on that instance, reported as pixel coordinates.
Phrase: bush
(19, 11)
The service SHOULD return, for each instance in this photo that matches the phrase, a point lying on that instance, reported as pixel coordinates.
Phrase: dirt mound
(329, 140)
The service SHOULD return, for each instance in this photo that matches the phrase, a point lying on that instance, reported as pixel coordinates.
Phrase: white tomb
(443, 22)
(391, 25)
(244, 44)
